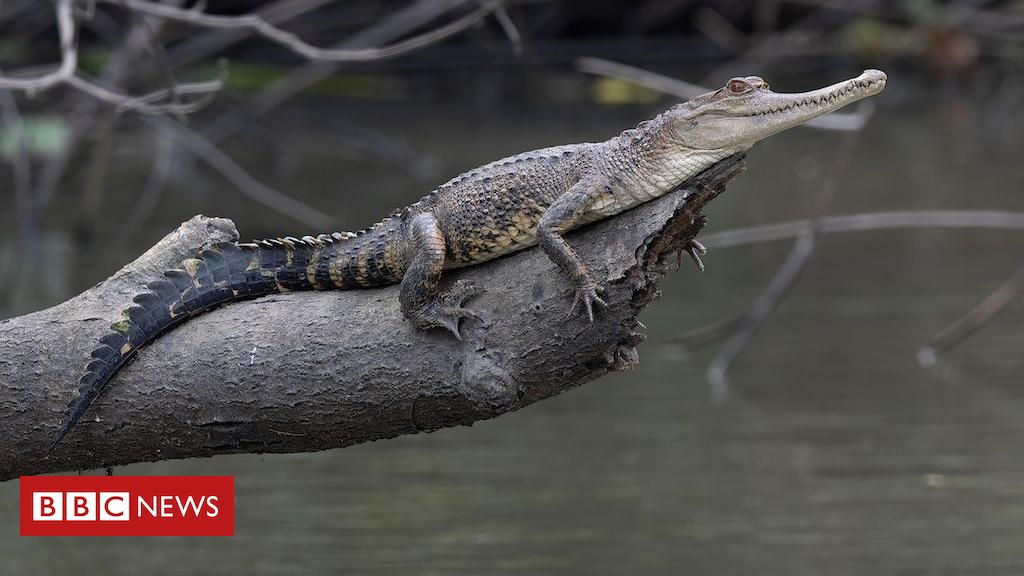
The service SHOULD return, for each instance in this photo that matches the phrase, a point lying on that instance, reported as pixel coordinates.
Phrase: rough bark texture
(310, 371)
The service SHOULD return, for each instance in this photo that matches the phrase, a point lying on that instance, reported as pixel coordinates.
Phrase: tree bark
(309, 371)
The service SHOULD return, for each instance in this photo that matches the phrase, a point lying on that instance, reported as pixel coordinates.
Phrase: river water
(831, 452)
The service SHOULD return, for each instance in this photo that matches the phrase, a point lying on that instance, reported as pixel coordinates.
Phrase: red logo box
(127, 506)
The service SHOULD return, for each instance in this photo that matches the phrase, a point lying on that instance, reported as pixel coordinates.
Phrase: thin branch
(625, 72)
(156, 182)
(962, 329)
(868, 222)
(198, 46)
(68, 56)
(839, 121)
(216, 159)
(785, 277)
(67, 74)
(509, 27)
(83, 113)
(258, 25)
(708, 334)
(159, 55)
(84, 109)
(759, 309)
(144, 104)
(400, 23)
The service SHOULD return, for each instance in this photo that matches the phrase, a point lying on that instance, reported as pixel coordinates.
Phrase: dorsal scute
(504, 165)
(292, 242)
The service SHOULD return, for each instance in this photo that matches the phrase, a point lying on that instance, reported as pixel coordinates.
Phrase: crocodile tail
(224, 273)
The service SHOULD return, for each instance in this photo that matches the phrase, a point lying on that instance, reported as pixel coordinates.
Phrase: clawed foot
(695, 250)
(446, 310)
(588, 292)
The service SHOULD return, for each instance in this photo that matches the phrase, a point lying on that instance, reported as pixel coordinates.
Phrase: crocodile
(508, 205)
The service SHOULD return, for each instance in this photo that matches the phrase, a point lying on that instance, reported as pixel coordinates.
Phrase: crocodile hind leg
(423, 303)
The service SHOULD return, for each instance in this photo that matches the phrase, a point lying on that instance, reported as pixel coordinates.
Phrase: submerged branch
(962, 329)
(758, 310)
(783, 280)
(869, 221)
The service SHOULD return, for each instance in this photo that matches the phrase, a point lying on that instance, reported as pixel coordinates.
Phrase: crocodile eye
(738, 86)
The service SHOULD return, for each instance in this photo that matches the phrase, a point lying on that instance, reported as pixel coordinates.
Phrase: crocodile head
(744, 111)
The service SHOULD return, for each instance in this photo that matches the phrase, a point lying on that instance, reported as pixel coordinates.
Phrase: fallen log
(309, 371)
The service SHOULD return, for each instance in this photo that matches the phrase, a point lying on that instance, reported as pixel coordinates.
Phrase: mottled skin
(508, 205)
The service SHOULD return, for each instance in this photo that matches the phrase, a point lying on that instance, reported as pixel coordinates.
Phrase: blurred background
(836, 394)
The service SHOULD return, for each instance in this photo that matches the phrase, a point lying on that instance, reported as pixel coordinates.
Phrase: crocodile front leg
(563, 215)
(423, 303)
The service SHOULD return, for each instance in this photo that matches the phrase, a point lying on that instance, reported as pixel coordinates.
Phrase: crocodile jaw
(729, 123)
(771, 113)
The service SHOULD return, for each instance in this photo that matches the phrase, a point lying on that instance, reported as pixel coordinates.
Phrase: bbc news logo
(109, 506)
(127, 506)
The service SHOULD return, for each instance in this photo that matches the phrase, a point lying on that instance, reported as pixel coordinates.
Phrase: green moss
(191, 266)
(120, 326)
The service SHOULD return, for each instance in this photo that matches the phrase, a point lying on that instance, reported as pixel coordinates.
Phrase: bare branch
(199, 46)
(68, 57)
(84, 109)
(784, 278)
(67, 74)
(398, 24)
(204, 150)
(509, 27)
(980, 315)
(708, 334)
(839, 121)
(257, 24)
(149, 103)
(659, 82)
(759, 309)
(159, 175)
(867, 222)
